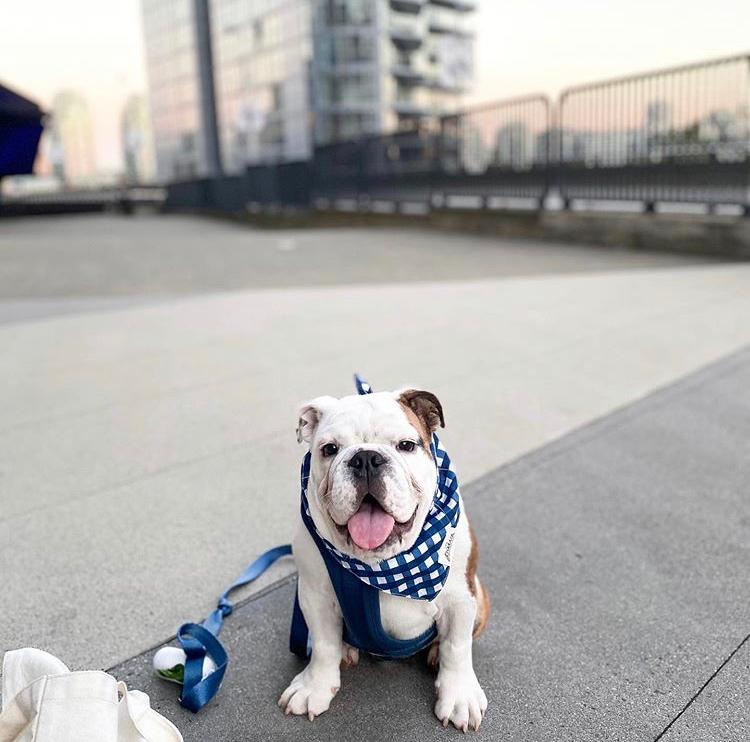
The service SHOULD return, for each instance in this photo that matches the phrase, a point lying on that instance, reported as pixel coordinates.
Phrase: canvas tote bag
(44, 702)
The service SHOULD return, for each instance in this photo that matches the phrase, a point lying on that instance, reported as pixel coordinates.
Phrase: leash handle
(201, 640)
(198, 642)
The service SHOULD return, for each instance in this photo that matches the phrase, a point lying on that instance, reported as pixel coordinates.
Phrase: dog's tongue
(370, 526)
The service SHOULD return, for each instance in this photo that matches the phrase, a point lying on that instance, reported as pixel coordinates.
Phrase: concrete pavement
(616, 559)
(103, 258)
(147, 452)
(720, 711)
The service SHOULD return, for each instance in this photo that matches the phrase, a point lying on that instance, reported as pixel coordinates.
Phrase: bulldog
(370, 489)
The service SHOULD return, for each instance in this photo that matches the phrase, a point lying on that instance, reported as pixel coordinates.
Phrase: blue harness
(360, 608)
(418, 573)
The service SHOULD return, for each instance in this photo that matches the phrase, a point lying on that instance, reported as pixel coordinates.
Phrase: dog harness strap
(363, 627)
(360, 608)
(299, 636)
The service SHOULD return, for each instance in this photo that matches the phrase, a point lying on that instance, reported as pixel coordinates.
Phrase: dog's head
(372, 476)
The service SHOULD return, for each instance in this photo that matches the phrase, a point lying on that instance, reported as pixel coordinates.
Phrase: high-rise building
(262, 56)
(70, 144)
(137, 141)
(180, 82)
(389, 64)
(289, 74)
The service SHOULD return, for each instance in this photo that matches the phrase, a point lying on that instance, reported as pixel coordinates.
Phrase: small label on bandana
(446, 550)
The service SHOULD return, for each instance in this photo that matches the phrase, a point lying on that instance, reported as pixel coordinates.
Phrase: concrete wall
(712, 235)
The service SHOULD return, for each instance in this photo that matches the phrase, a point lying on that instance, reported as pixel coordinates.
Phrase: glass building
(387, 65)
(262, 55)
(180, 86)
(292, 74)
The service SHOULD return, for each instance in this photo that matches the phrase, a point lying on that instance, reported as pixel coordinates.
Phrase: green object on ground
(175, 674)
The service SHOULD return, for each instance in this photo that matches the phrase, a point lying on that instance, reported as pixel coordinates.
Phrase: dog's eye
(406, 446)
(330, 449)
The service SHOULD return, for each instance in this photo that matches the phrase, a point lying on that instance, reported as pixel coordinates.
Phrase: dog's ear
(309, 417)
(425, 405)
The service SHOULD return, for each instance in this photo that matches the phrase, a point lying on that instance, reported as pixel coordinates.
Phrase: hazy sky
(523, 46)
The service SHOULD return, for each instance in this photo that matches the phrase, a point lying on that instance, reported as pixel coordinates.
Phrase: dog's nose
(365, 462)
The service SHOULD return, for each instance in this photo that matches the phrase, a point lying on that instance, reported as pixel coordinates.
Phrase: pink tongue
(370, 526)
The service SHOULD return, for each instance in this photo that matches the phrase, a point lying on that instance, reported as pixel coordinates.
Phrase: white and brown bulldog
(372, 482)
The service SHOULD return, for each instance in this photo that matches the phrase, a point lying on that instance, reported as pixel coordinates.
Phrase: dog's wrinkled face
(372, 474)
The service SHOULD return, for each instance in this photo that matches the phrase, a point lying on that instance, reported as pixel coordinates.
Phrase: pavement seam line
(619, 416)
(281, 582)
(703, 687)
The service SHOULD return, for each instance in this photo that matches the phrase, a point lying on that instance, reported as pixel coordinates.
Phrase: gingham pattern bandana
(421, 571)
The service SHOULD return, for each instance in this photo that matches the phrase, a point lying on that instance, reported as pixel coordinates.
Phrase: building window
(258, 31)
(350, 12)
(187, 141)
(353, 49)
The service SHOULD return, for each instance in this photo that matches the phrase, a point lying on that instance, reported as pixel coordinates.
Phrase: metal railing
(496, 150)
(676, 135)
(681, 134)
(499, 150)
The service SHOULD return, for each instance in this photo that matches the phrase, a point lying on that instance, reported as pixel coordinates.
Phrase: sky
(523, 46)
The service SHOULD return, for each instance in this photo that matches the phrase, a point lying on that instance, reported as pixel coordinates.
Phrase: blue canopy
(20, 128)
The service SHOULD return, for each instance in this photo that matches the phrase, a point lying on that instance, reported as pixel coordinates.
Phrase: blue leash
(201, 640)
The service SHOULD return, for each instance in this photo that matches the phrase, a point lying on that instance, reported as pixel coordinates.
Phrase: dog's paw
(306, 697)
(461, 700)
(349, 656)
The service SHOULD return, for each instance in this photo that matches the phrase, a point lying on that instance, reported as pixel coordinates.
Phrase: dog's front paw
(308, 697)
(461, 699)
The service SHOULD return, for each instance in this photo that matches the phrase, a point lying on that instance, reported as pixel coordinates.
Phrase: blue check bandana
(419, 572)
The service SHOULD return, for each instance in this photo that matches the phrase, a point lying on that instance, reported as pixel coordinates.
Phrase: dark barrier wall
(189, 194)
(263, 185)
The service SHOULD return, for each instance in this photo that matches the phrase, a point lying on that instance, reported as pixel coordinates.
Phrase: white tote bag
(44, 702)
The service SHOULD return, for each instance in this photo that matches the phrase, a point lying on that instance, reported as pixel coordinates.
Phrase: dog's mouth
(372, 527)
